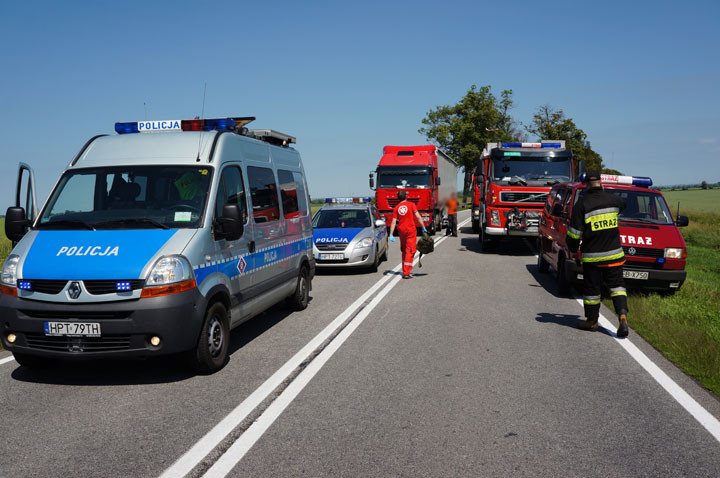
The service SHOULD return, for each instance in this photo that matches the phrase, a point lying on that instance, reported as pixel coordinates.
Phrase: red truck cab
(655, 250)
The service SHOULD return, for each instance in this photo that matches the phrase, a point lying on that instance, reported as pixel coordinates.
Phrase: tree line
(462, 130)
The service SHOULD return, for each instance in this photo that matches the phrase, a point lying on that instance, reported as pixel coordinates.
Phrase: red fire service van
(511, 184)
(427, 174)
(654, 247)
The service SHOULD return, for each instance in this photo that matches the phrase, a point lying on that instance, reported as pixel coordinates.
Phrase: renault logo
(74, 290)
(632, 251)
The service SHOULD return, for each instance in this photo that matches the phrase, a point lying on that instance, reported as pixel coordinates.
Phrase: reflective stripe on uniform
(602, 256)
(574, 233)
(408, 263)
(616, 291)
(591, 299)
(596, 212)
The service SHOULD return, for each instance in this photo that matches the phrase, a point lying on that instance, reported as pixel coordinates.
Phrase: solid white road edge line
(6, 360)
(705, 418)
(242, 445)
(207, 443)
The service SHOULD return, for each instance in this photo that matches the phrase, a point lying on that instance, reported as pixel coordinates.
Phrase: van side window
(264, 194)
(231, 190)
(302, 194)
(566, 204)
(288, 193)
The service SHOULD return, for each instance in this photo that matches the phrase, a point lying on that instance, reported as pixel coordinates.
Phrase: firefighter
(594, 220)
(452, 205)
(404, 216)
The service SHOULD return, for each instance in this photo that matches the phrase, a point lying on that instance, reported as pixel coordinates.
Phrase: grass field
(685, 327)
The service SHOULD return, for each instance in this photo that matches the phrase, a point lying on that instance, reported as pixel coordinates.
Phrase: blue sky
(641, 78)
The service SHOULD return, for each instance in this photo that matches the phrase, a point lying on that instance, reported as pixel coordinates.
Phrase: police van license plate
(77, 329)
(332, 257)
(635, 275)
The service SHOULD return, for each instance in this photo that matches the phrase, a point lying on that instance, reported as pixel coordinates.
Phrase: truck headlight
(367, 242)
(9, 271)
(169, 270)
(670, 253)
(494, 218)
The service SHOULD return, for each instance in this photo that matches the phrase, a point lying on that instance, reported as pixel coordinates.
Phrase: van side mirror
(16, 223)
(557, 210)
(680, 221)
(581, 167)
(372, 181)
(437, 180)
(229, 226)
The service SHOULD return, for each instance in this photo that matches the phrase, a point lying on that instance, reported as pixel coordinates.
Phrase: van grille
(643, 252)
(642, 265)
(523, 197)
(69, 313)
(78, 344)
(47, 286)
(97, 287)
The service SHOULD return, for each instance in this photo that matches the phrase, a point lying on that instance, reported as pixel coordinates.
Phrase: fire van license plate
(76, 329)
(635, 275)
(332, 257)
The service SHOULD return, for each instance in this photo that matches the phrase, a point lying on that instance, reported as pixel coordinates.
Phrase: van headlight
(367, 242)
(9, 271)
(168, 270)
(670, 253)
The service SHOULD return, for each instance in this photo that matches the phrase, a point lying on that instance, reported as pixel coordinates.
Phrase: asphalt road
(471, 368)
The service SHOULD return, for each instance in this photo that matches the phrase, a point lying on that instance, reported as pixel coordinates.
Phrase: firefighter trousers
(408, 246)
(594, 278)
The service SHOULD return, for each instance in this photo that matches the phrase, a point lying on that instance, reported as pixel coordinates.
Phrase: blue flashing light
(551, 145)
(125, 128)
(24, 285)
(220, 124)
(642, 182)
(328, 200)
(512, 145)
(123, 286)
(661, 260)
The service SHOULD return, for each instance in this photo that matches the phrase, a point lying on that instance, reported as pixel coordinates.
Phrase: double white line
(326, 342)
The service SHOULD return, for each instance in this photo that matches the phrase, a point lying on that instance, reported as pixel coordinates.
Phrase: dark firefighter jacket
(594, 219)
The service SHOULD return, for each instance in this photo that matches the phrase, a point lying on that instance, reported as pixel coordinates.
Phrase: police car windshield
(403, 177)
(535, 170)
(342, 218)
(132, 197)
(640, 206)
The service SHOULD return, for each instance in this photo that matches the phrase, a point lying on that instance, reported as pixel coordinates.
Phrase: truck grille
(95, 287)
(643, 251)
(523, 197)
(331, 247)
(394, 202)
(78, 344)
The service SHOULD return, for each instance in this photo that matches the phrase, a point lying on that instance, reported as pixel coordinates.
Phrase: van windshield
(131, 197)
(332, 218)
(640, 206)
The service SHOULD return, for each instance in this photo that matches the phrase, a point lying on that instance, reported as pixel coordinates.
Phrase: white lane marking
(705, 418)
(207, 443)
(6, 360)
(244, 443)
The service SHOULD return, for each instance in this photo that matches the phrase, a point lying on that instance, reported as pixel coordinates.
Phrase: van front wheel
(211, 351)
(300, 298)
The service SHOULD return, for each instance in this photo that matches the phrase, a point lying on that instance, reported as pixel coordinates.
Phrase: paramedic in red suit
(404, 216)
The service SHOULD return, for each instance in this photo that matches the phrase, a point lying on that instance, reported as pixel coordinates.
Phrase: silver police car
(349, 235)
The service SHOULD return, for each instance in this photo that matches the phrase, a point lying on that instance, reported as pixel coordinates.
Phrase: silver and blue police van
(348, 232)
(157, 240)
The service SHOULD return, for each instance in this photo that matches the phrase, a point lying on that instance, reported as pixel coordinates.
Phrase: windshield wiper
(66, 223)
(554, 180)
(637, 219)
(517, 179)
(133, 221)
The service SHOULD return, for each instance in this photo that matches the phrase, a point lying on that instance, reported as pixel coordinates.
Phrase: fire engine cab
(654, 248)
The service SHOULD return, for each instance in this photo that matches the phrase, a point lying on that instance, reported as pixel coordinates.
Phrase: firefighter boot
(588, 324)
(622, 330)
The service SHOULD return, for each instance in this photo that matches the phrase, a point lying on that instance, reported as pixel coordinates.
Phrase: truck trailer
(428, 175)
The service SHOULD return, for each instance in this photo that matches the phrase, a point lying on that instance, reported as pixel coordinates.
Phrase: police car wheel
(300, 298)
(210, 354)
(31, 361)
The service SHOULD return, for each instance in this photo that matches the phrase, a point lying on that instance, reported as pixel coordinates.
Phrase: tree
(462, 130)
(549, 123)
(704, 185)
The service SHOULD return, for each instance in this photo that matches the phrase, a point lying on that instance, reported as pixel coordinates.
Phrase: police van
(157, 240)
(348, 232)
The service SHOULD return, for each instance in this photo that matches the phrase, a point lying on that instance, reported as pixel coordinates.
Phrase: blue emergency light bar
(216, 124)
(639, 181)
(531, 145)
(347, 200)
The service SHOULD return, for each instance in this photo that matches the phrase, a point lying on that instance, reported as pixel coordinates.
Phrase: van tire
(31, 361)
(211, 352)
(543, 265)
(300, 298)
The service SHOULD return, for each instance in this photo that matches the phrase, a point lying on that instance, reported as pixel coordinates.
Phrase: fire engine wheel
(487, 242)
(476, 226)
(563, 285)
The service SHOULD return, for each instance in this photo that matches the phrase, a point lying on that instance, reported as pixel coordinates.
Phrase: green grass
(685, 327)
(707, 200)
